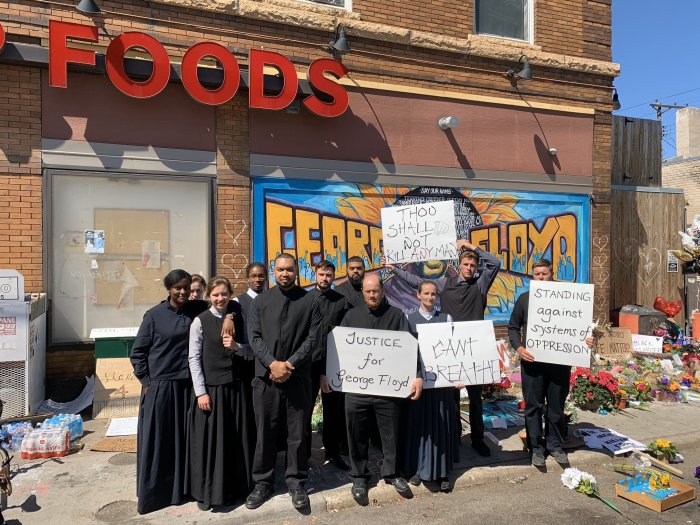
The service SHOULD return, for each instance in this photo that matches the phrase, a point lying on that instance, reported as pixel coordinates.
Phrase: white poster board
(614, 441)
(647, 344)
(374, 362)
(463, 352)
(559, 321)
(419, 232)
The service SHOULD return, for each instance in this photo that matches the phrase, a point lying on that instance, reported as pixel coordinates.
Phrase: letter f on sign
(60, 54)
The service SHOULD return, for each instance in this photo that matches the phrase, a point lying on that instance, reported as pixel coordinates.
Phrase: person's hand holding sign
(382, 262)
(416, 388)
(525, 355)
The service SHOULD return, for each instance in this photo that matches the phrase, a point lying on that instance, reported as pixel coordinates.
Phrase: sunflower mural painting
(315, 220)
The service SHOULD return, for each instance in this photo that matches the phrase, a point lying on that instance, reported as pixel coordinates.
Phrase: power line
(666, 96)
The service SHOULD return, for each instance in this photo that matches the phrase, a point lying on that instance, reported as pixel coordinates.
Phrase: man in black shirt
(352, 288)
(283, 326)
(464, 298)
(333, 306)
(362, 409)
(542, 382)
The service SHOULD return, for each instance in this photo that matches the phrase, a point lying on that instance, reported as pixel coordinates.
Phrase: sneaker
(359, 493)
(481, 448)
(415, 480)
(445, 485)
(559, 456)
(260, 494)
(300, 499)
(402, 487)
(538, 459)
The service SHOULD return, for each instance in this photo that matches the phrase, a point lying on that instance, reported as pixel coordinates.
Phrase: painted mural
(315, 220)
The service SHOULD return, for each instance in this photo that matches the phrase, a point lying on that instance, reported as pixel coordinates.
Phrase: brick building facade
(257, 175)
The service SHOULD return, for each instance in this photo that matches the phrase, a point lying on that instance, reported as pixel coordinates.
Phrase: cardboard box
(685, 493)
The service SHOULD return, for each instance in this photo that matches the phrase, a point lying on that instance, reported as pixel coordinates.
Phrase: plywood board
(117, 278)
(125, 230)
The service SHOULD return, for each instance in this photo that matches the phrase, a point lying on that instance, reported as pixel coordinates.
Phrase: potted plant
(594, 391)
(621, 399)
(663, 449)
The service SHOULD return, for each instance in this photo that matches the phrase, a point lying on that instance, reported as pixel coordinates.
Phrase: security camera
(553, 152)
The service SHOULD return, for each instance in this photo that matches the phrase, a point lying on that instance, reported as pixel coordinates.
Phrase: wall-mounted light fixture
(524, 73)
(88, 7)
(446, 123)
(340, 45)
(616, 100)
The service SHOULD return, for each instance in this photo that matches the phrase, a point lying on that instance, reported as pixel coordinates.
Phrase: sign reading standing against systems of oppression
(463, 352)
(419, 232)
(615, 343)
(375, 362)
(559, 321)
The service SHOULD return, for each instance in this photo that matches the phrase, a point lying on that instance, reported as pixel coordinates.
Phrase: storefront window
(343, 4)
(504, 18)
(113, 238)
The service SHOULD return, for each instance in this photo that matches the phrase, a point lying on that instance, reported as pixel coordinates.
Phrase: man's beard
(355, 281)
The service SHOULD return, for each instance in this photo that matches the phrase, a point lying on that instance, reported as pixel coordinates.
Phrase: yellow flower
(674, 386)
(662, 443)
(652, 483)
(665, 480)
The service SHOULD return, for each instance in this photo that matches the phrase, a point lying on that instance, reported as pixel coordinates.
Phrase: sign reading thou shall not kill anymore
(419, 232)
(374, 362)
(463, 352)
(559, 320)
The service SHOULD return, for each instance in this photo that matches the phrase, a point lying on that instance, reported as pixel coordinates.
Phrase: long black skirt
(434, 431)
(222, 445)
(162, 462)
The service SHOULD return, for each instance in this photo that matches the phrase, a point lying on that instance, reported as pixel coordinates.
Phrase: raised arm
(491, 265)
(412, 279)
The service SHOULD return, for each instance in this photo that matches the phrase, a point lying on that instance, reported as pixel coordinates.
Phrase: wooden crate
(685, 493)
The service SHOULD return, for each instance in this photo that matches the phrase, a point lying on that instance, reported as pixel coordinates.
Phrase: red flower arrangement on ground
(594, 391)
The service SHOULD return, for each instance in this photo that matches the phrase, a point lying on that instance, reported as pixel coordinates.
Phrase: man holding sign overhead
(464, 298)
(542, 381)
(360, 409)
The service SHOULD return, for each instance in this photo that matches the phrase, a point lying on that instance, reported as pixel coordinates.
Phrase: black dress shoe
(359, 493)
(445, 485)
(402, 487)
(203, 506)
(339, 463)
(259, 495)
(300, 499)
(481, 448)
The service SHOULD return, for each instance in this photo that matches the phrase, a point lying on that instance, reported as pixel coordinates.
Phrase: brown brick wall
(20, 173)
(600, 216)
(233, 226)
(684, 175)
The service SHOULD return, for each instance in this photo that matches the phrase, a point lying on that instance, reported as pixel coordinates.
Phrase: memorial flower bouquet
(594, 391)
(663, 449)
(657, 480)
(585, 483)
(641, 390)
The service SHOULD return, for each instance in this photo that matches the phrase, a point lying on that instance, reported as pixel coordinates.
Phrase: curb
(340, 498)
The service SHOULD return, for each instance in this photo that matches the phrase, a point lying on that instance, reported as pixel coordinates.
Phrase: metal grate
(13, 389)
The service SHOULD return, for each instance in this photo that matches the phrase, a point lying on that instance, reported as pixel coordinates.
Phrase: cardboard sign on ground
(117, 391)
(617, 343)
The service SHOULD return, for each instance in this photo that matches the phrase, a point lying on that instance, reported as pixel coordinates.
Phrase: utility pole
(663, 108)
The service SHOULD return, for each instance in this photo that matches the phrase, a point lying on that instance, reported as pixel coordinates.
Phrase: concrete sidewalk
(89, 487)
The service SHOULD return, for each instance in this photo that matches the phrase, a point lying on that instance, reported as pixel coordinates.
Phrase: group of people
(228, 383)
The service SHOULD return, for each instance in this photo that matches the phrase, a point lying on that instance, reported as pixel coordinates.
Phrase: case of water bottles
(73, 422)
(46, 443)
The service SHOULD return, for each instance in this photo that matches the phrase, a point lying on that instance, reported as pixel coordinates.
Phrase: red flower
(589, 395)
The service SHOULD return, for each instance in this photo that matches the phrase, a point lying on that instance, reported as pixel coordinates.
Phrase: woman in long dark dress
(434, 428)
(159, 357)
(222, 438)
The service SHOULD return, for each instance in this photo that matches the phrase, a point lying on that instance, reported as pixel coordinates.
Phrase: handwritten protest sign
(419, 232)
(462, 352)
(647, 344)
(375, 362)
(617, 343)
(117, 391)
(606, 438)
(559, 321)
